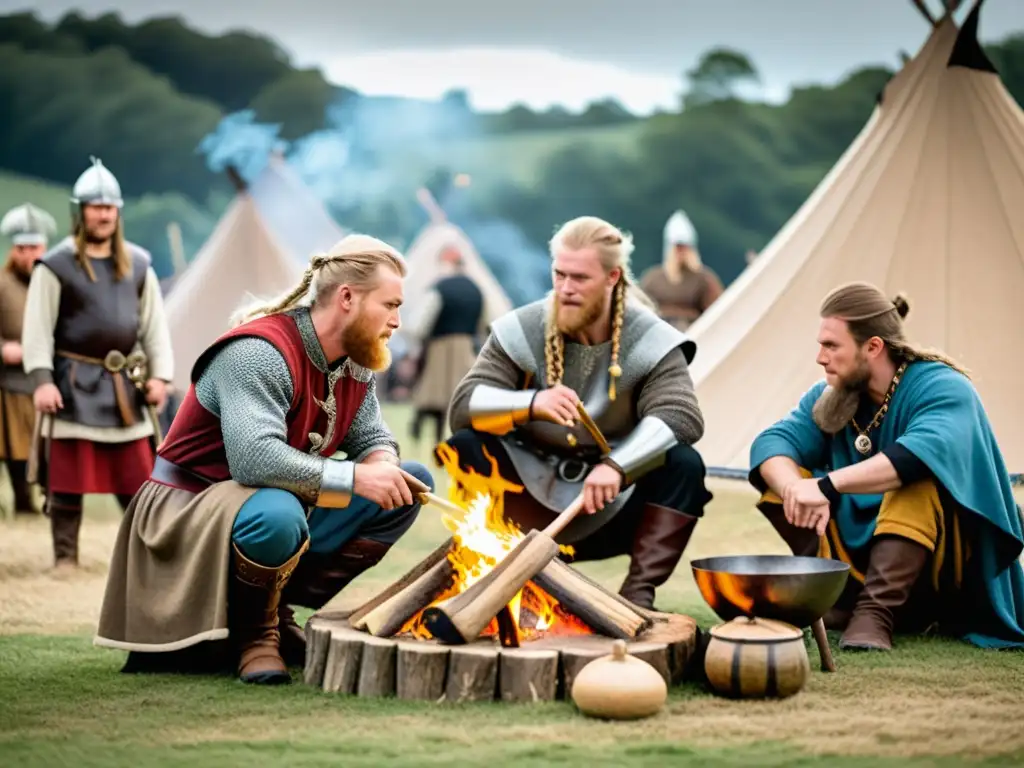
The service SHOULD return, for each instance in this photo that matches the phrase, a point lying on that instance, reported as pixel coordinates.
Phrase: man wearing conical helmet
(682, 286)
(97, 350)
(594, 343)
(29, 229)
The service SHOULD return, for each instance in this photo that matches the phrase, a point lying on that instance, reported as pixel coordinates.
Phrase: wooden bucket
(756, 658)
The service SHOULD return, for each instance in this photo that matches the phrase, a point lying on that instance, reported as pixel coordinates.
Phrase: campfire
(481, 539)
(491, 613)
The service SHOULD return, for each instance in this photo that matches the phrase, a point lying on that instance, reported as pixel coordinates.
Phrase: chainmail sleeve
(249, 387)
(668, 393)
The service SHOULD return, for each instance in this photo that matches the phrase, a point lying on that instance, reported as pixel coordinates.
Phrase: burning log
(528, 675)
(461, 619)
(389, 611)
(422, 671)
(605, 612)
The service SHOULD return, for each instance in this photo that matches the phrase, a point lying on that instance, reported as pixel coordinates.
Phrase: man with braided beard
(248, 509)
(890, 465)
(593, 341)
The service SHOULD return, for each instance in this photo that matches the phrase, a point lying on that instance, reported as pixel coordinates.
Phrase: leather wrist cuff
(828, 490)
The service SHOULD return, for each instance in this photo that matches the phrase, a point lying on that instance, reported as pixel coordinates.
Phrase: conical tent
(240, 261)
(295, 215)
(423, 257)
(927, 201)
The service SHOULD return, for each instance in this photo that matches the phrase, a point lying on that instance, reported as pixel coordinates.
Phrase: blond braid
(619, 314)
(354, 260)
(554, 348)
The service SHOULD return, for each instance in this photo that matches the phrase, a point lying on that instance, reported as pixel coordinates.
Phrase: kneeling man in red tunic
(97, 350)
(249, 509)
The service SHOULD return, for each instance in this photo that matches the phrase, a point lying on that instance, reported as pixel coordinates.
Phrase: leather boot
(659, 542)
(65, 522)
(803, 542)
(253, 603)
(893, 568)
(317, 580)
(23, 505)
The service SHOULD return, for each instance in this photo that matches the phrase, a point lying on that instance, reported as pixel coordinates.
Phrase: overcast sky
(541, 52)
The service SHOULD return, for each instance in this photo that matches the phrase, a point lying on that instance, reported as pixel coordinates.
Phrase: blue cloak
(937, 415)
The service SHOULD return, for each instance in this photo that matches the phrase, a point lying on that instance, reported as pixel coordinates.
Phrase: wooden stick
(593, 429)
(828, 664)
(508, 629)
(427, 564)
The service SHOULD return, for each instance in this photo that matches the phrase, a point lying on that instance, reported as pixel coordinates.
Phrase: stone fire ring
(340, 659)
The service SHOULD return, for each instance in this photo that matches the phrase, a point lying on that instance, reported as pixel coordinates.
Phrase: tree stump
(378, 670)
(528, 675)
(422, 670)
(472, 674)
(344, 658)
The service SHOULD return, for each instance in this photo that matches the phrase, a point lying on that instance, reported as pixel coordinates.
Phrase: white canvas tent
(926, 200)
(242, 259)
(295, 215)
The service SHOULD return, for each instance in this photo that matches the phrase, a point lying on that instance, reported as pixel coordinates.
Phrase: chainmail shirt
(248, 386)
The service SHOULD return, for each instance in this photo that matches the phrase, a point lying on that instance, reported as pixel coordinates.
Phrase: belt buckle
(114, 361)
(563, 470)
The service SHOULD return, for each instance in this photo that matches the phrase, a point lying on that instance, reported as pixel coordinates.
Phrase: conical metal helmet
(679, 230)
(28, 225)
(97, 186)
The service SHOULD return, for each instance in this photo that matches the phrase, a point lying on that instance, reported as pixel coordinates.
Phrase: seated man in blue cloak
(891, 466)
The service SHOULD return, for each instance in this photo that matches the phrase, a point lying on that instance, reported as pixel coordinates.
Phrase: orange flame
(483, 538)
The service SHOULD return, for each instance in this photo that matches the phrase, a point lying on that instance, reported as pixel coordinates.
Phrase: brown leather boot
(659, 542)
(65, 523)
(253, 603)
(23, 504)
(802, 542)
(319, 577)
(893, 568)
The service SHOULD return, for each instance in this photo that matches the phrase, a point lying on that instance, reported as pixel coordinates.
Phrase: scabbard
(154, 419)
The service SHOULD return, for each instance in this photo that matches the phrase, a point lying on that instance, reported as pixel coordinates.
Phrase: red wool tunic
(195, 441)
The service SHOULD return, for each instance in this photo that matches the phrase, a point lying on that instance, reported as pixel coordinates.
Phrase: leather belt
(169, 473)
(117, 365)
(572, 468)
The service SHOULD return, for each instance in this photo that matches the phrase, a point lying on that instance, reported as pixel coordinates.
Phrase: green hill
(518, 157)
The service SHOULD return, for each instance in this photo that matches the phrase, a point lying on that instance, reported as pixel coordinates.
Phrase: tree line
(144, 96)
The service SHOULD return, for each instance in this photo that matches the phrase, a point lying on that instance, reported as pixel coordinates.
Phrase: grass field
(62, 701)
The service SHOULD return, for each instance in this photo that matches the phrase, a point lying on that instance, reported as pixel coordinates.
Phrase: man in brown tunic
(683, 287)
(29, 229)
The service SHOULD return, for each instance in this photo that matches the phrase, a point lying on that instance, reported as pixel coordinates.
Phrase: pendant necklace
(862, 442)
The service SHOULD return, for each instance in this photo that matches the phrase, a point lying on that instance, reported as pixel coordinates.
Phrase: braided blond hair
(354, 260)
(614, 248)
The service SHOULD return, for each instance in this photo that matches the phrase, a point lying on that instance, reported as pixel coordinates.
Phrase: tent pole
(924, 10)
